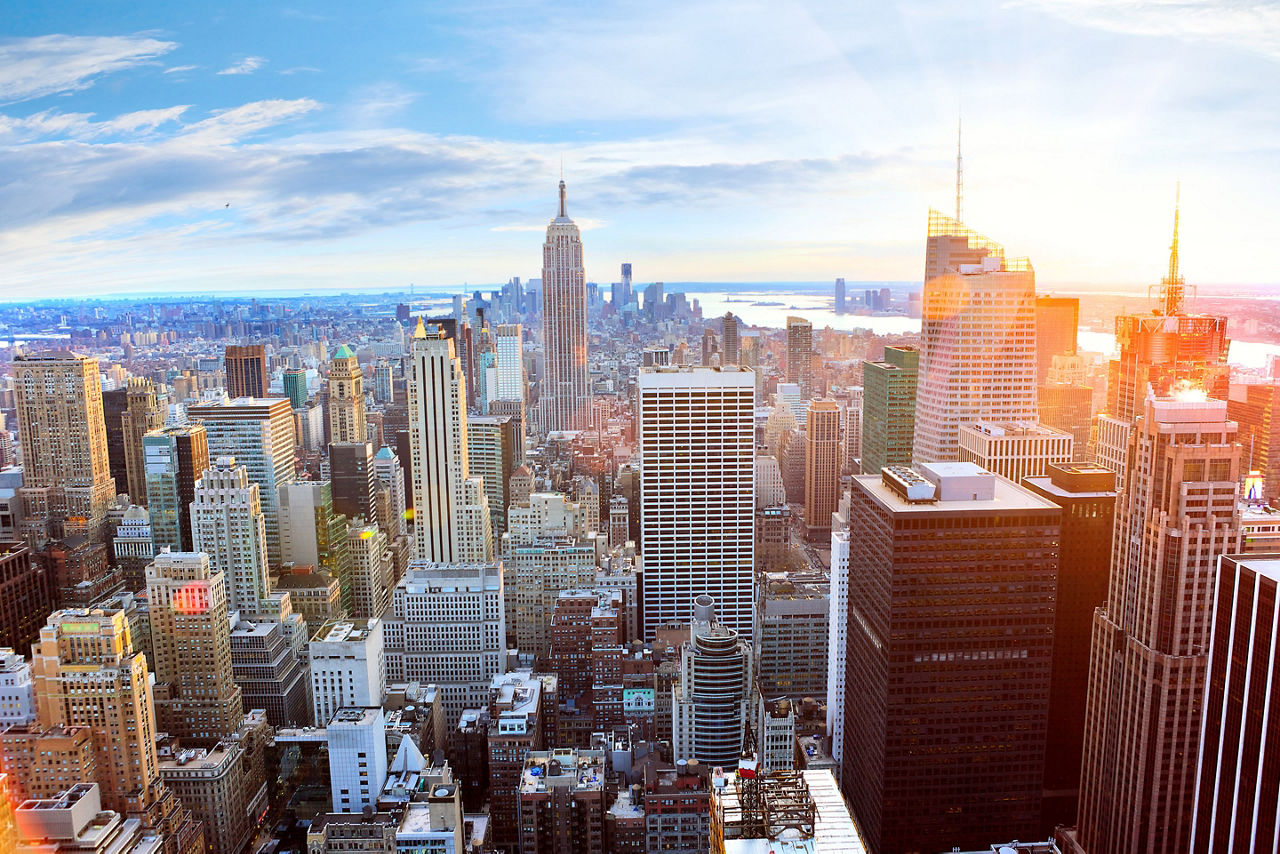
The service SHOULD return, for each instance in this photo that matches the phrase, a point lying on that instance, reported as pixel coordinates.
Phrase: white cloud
(228, 126)
(178, 69)
(1247, 24)
(46, 65)
(248, 65)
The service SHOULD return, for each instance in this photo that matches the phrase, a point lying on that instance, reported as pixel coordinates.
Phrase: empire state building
(566, 397)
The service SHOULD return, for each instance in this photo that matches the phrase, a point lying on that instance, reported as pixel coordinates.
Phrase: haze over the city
(173, 147)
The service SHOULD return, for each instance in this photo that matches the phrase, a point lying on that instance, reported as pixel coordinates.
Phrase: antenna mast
(1174, 286)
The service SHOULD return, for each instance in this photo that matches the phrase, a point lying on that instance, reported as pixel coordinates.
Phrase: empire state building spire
(566, 395)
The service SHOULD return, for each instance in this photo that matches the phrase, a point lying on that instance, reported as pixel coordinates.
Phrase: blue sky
(182, 146)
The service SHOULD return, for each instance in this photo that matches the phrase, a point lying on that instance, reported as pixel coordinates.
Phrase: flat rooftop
(1265, 565)
(1008, 497)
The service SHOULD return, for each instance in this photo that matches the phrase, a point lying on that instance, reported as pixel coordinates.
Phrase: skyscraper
(174, 458)
(295, 387)
(1176, 514)
(346, 398)
(446, 625)
(729, 354)
(259, 434)
(697, 493)
(142, 414)
(88, 673)
(800, 354)
(246, 367)
(947, 691)
(822, 465)
(889, 408)
(67, 483)
(840, 295)
(492, 442)
(1086, 494)
(196, 696)
(1237, 797)
(1057, 319)
(228, 524)
(352, 479)
(443, 530)
(566, 396)
(712, 700)
(509, 361)
(977, 354)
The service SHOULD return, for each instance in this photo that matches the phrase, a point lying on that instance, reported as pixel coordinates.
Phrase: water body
(818, 308)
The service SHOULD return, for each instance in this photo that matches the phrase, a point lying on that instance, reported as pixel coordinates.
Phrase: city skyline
(257, 155)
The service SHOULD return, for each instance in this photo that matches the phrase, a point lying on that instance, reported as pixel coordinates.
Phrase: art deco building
(346, 398)
(87, 673)
(195, 692)
(1163, 349)
(446, 626)
(67, 483)
(566, 394)
(800, 354)
(697, 502)
(822, 463)
(227, 524)
(948, 659)
(142, 414)
(1177, 512)
(449, 524)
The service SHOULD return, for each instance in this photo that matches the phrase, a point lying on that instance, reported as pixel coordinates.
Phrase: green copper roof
(344, 352)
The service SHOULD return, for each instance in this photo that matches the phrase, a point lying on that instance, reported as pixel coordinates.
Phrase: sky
(182, 147)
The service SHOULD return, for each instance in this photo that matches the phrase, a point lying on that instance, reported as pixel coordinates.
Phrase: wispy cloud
(301, 69)
(46, 65)
(248, 65)
(1244, 24)
(48, 124)
(233, 125)
(178, 69)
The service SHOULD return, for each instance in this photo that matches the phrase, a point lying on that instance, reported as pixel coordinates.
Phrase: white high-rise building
(259, 433)
(347, 667)
(228, 524)
(566, 394)
(977, 353)
(697, 492)
(446, 626)
(837, 627)
(389, 472)
(509, 361)
(357, 740)
(450, 516)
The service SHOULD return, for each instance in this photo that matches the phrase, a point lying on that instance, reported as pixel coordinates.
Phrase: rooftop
(1006, 495)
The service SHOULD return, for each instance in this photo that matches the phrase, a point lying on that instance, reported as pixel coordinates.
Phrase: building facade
(697, 492)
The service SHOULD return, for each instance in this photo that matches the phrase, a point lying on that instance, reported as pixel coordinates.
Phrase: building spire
(563, 215)
(1173, 284)
(959, 173)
